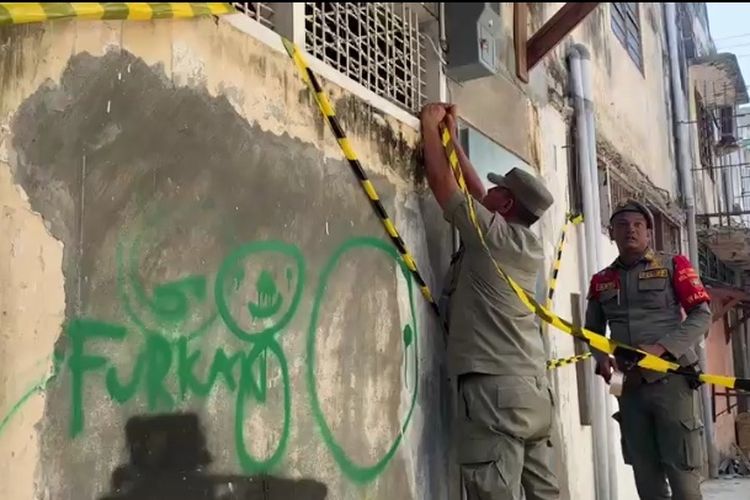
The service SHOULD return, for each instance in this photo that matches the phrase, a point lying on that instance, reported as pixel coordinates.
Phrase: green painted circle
(127, 263)
(249, 463)
(230, 263)
(355, 472)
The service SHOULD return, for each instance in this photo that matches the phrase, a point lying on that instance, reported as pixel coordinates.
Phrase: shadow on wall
(168, 457)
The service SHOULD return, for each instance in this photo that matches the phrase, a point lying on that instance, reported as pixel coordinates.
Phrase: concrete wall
(194, 288)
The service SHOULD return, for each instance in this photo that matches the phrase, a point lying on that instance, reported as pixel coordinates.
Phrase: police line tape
(594, 340)
(326, 108)
(569, 219)
(552, 286)
(630, 355)
(599, 342)
(328, 111)
(23, 13)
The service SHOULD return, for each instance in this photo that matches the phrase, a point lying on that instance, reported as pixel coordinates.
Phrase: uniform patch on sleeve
(606, 280)
(687, 284)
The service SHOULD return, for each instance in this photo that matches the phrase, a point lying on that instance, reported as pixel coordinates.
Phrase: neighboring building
(716, 94)
(187, 238)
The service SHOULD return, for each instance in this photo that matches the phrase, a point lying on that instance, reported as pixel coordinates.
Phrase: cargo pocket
(522, 411)
(625, 452)
(692, 446)
(489, 466)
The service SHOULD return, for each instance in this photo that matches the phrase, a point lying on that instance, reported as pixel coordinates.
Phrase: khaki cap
(528, 190)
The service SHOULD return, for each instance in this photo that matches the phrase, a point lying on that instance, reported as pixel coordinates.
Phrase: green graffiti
(80, 331)
(171, 299)
(252, 306)
(38, 388)
(225, 288)
(354, 471)
(154, 364)
(408, 336)
(269, 299)
(167, 309)
(259, 392)
(222, 365)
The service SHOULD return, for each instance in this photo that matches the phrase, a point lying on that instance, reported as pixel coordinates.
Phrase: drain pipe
(596, 224)
(688, 196)
(599, 424)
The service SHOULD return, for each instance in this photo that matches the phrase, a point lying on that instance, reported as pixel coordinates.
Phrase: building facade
(192, 268)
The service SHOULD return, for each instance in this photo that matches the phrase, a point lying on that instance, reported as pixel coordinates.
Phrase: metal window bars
(378, 45)
(261, 12)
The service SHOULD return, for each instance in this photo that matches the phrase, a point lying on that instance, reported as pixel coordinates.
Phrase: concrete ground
(726, 489)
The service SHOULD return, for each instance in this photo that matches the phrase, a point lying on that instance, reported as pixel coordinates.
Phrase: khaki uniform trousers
(503, 436)
(662, 437)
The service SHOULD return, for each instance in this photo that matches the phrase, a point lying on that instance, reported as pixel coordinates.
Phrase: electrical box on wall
(473, 32)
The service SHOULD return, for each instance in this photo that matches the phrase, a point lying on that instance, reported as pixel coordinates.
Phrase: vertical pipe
(596, 225)
(688, 196)
(599, 429)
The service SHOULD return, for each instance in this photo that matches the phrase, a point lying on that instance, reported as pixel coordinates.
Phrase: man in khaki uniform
(640, 296)
(495, 348)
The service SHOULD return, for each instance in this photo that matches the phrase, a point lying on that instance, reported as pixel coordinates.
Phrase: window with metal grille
(705, 135)
(666, 233)
(261, 12)
(626, 26)
(378, 45)
(727, 125)
(619, 192)
(714, 270)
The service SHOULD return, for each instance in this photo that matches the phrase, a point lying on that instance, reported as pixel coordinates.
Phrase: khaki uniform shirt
(490, 330)
(642, 304)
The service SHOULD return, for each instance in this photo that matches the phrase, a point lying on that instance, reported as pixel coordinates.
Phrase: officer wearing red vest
(641, 296)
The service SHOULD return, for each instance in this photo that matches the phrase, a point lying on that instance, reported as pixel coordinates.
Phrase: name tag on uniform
(603, 287)
(653, 274)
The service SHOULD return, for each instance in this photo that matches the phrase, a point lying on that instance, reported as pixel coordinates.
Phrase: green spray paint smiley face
(269, 301)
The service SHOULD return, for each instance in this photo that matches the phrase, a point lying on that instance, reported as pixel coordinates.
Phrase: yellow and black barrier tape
(569, 219)
(594, 340)
(557, 363)
(552, 286)
(599, 342)
(326, 108)
(23, 13)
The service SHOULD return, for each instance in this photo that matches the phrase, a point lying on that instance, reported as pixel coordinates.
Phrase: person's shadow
(168, 457)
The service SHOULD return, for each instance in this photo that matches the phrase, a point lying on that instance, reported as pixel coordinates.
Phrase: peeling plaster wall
(32, 309)
(186, 236)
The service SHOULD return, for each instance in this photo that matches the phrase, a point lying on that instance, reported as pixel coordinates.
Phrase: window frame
(625, 21)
